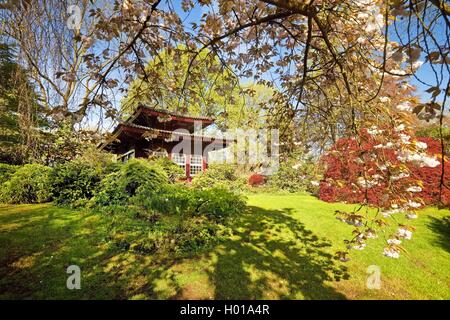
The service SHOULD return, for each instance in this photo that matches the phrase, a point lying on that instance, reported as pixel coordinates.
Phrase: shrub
(432, 131)
(111, 191)
(295, 176)
(118, 187)
(220, 175)
(431, 177)
(172, 218)
(197, 234)
(149, 215)
(101, 161)
(6, 171)
(216, 203)
(196, 227)
(165, 199)
(256, 179)
(161, 237)
(29, 184)
(74, 181)
(173, 171)
(128, 232)
(343, 170)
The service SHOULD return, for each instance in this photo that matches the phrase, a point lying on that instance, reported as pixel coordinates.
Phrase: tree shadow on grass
(37, 250)
(441, 227)
(43, 241)
(273, 256)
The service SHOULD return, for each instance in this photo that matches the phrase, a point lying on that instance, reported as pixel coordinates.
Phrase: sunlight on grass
(421, 273)
(281, 248)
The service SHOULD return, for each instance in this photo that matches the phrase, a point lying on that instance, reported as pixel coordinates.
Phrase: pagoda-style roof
(151, 123)
(175, 115)
(151, 133)
(167, 120)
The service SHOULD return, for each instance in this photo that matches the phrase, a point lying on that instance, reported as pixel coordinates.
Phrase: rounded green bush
(118, 187)
(217, 203)
(6, 171)
(73, 181)
(222, 176)
(173, 171)
(294, 176)
(29, 184)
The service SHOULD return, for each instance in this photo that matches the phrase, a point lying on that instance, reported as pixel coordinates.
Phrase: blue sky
(424, 73)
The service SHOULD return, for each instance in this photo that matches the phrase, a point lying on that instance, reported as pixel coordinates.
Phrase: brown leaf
(435, 91)
(417, 109)
(433, 56)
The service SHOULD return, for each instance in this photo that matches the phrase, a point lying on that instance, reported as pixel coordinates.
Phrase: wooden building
(154, 132)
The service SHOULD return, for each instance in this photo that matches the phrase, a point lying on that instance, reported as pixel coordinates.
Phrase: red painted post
(188, 167)
(203, 163)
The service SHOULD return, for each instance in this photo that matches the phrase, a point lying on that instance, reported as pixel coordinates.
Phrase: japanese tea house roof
(130, 126)
(175, 115)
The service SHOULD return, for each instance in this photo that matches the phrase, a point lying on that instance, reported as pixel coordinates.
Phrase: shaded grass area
(274, 256)
(281, 248)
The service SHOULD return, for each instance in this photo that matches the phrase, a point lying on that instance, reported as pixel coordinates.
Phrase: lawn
(281, 248)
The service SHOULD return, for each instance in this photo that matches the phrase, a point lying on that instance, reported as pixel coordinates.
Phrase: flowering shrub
(386, 167)
(256, 179)
(344, 170)
(431, 176)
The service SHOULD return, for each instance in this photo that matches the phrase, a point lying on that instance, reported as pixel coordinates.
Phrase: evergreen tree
(21, 116)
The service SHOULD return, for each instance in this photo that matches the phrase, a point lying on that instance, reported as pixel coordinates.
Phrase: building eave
(143, 129)
(176, 115)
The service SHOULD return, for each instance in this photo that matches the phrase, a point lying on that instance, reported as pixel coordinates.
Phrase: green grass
(281, 249)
